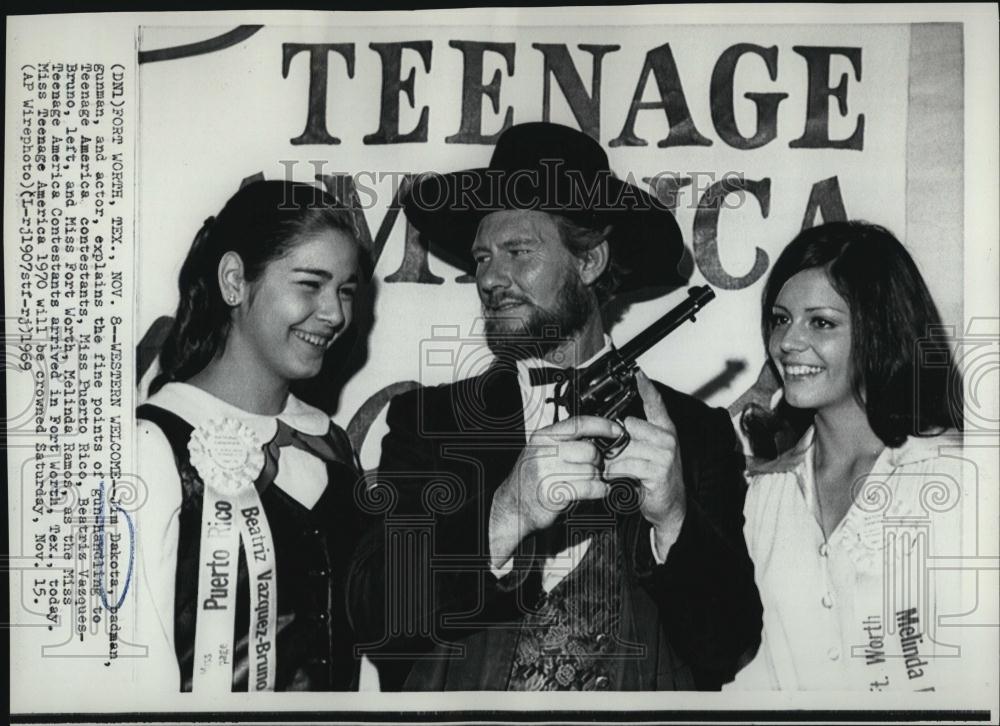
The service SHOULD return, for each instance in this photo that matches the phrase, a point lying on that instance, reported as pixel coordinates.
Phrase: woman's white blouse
(877, 605)
(301, 475)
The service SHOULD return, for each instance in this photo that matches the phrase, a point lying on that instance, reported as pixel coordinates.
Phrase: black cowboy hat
(556, 169)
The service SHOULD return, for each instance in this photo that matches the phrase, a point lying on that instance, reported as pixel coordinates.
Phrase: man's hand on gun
(654, 460)
(561, 465)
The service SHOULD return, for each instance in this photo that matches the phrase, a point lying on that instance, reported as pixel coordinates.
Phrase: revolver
(607, 386)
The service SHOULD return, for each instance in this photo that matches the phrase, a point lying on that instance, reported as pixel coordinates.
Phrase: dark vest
(618, 621)
(314, 641)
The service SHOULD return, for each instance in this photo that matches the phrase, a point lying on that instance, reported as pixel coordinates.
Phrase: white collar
(911, 451)
(197, 406)
(527, 364)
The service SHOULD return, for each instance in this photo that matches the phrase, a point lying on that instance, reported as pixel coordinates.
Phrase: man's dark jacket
(436, 618)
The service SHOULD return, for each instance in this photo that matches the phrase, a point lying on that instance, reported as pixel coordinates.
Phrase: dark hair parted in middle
(260, 223)
(904, 372)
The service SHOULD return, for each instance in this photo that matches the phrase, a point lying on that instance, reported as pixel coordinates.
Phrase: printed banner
(127, 131)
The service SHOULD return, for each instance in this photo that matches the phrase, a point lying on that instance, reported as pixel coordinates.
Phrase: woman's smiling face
(300, 304)
(810, 342)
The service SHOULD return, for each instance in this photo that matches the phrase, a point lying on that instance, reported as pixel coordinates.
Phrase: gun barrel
(698, 297)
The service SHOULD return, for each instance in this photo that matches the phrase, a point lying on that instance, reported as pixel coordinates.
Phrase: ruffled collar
(913, 450)
(877, 500)
(197, 406)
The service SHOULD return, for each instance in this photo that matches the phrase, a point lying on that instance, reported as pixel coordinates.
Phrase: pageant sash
(228, 456)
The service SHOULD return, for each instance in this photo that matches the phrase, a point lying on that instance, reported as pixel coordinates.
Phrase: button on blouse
(838, 610)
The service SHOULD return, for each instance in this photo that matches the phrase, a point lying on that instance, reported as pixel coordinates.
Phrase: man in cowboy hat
(505, 560)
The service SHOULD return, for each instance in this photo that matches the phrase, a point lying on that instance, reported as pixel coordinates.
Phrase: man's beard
(542, 331)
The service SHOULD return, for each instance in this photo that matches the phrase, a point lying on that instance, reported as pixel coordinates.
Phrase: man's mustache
(495, 301)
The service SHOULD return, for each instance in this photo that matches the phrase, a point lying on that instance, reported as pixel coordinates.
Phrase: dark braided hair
(260, 223)
(904, 373)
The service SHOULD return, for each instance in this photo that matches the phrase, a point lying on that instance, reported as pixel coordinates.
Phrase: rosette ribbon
(229, 457)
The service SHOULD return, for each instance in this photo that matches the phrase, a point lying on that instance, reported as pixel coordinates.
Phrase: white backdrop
(927, 169)
(209, 121)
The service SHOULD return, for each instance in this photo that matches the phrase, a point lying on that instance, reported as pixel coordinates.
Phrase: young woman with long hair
(251, 520)
(843, 526)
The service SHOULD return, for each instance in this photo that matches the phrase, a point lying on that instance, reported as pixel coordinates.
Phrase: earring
(232, 298)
